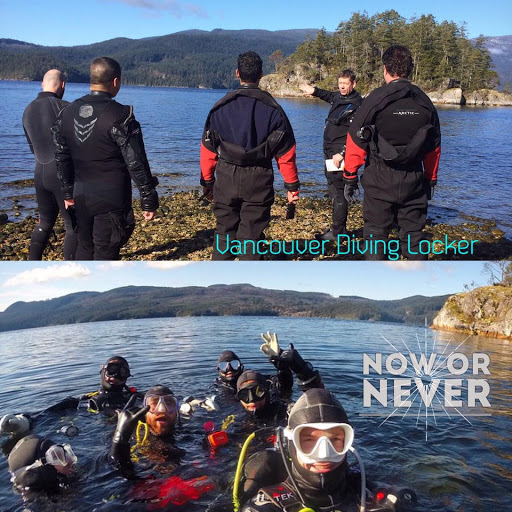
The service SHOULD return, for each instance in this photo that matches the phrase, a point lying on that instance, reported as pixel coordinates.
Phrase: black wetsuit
(244, 131)
(38, 119)
(338, 490)
(98, 147)
(336, 128)
(401, 148)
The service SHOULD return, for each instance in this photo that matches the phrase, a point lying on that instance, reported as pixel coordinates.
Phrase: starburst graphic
(424, 399)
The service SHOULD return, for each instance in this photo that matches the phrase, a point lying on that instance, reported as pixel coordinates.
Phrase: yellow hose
(238, 474)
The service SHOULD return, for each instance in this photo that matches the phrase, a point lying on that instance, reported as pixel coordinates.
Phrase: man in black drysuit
(98, 147)
(396, 133)
(38, 119)
(344, 104)
(244, 131)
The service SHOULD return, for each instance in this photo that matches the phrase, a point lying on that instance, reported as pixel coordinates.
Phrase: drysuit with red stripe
(396, 133)
(244, 131)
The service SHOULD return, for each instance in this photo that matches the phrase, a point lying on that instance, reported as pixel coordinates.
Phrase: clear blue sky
(71, 22)
(393, 280)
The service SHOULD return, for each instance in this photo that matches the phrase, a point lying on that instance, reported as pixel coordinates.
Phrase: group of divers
(293, 457)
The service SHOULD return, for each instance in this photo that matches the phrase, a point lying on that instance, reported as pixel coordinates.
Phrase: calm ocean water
(462, 466)
(474, 176)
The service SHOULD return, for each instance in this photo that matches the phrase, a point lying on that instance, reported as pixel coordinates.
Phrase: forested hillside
(193, 58)
(441, 52)
(216, 300)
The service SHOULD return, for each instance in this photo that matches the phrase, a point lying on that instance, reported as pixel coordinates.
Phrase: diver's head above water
(114, 374)
(229, 367)
(319, 436)
(252, 390)
(39, 464)
(163, 410)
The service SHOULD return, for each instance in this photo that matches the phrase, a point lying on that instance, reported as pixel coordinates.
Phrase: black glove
(429, 188)
(291, 359)
(127, 420)
(350, 192)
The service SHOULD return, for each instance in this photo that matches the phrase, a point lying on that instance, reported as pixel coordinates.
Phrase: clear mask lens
(60, 455)
(161, 403)
(322, 448)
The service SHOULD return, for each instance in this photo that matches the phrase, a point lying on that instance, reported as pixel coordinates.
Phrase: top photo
(168, 130)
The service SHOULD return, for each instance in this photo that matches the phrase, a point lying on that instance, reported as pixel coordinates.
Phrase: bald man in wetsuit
(38, 119)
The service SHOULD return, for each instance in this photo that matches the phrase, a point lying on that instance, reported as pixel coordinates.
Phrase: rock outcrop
(485, 311)
(281, 85)
(452, 96)
(489, 97)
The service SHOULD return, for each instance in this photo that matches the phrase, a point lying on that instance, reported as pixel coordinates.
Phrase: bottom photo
(272, 386)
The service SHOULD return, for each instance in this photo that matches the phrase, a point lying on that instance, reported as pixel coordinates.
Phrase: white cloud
(167, 265)
(47, 274)
(406, 266)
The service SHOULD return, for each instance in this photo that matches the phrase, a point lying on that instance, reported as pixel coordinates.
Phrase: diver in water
(158, 418)
(310, 471)
(229, 368)
(267, 397)
(113, 395)
(38, 464)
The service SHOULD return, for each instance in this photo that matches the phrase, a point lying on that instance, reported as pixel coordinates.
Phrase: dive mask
(60, 455)
(234, 365)
(325, 448)
(161, 403)
(116, 370)
(251, 394)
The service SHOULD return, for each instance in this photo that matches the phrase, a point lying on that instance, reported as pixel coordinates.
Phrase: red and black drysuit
(244, 131)
(343, 109)
(98, 147)
(396, 133)
(38, 119)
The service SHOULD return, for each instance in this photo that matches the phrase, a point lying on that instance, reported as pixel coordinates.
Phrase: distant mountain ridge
(192, 58)
(216, 300)
(500, 49)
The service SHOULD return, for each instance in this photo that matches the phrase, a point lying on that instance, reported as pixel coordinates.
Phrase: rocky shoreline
(183, 230)
(284, 87)
(485, 311)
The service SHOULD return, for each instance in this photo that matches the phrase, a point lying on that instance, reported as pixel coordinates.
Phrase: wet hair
(104, 70)
(348, 73)
(398, 61)
(250, 67)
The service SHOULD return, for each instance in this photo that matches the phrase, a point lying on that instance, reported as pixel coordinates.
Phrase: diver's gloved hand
(127, 420)
(429, 188)
(271, 346)
(351, 192)
(14, 424)
(294, 360)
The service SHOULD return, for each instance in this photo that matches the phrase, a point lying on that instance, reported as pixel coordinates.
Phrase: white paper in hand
(329, 165)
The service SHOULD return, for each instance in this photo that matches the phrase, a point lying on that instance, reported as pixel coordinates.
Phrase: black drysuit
(336, 128)
(98, 147)
(244, 131)
(401, 146)
(38, 119)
